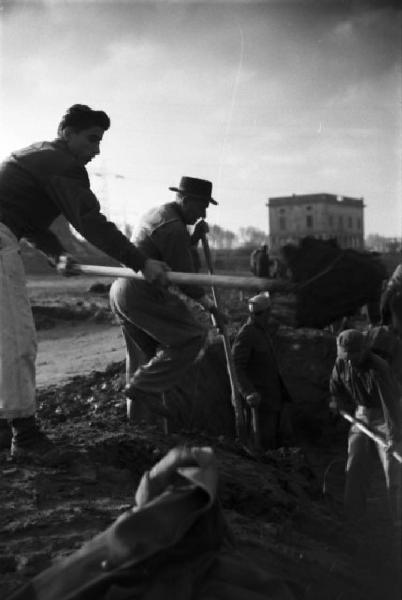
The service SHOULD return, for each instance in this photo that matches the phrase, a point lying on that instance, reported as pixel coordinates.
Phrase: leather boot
(5, 434)
(153, 401)
(28, 440)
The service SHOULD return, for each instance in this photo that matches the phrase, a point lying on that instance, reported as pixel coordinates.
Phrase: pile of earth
(273, 502)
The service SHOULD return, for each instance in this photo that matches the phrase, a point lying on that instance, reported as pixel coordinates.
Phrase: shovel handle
(376, 438)
(235, 396)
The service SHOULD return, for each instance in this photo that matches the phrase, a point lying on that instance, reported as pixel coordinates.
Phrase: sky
(264, 99)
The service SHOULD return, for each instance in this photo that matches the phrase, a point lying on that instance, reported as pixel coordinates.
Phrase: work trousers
(275, 427)
(18, 344)
(162, 337)
(361, 453)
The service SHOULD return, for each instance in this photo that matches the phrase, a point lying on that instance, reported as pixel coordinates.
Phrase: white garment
(18, 344)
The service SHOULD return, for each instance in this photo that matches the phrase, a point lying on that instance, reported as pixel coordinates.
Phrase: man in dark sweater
(363, 383)
(258, 375)
(37, 184)
(162, 334)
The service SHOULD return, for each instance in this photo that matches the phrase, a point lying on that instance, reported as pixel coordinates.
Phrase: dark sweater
(39, 183)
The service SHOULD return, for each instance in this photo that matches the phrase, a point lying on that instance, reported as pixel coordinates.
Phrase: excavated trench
(273, 503)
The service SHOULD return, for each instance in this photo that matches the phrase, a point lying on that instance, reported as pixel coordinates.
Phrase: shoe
(29, 442)
(152, 400)
(5, 435)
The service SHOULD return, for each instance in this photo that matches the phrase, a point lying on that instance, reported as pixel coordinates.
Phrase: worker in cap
(363, 384)
(260, 303)
(351, 345)
(259, 377)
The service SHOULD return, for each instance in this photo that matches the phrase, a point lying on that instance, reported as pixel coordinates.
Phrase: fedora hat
(198, 188)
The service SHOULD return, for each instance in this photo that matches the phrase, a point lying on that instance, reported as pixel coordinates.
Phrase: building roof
(315, 199)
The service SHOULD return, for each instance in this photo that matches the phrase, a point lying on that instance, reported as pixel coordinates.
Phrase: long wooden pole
(376, 438)
(224, 281)
(235, 396)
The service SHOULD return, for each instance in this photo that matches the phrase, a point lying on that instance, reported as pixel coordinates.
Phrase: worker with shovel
(363, 389)
(259, 378)
(162, 334)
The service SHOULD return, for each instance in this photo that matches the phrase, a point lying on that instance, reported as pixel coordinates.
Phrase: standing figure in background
(37, 184)
(162, 335)
(258, 375)
(362, 383)
(260, 262)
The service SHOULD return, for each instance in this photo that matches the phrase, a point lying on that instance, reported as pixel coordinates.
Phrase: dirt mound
(273, 502)
(50, 510)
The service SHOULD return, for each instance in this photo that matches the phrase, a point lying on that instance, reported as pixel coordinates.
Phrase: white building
(322, 216)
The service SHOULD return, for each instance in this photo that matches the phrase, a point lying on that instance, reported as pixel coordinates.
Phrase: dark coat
(256, 366)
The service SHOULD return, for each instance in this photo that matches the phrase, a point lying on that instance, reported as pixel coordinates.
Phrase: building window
(359, 223)
(330, 221)
(282, 223)
(340, 222)
(308, 207)
(309, 221)
(350, 223)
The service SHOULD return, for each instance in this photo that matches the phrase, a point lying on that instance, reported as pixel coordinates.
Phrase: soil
(275, 503)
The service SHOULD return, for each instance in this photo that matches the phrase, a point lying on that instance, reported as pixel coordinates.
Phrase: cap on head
(198, 188)
(259, 303)
(350, 341)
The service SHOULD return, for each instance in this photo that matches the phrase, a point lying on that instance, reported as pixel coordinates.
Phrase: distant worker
(260, 262)
(37, 184)
(258, 375)
(162, 334)
(363, 384)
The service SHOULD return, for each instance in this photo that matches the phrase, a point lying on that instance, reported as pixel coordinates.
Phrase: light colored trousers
(18, 344)
(361, 452)
(163, 337)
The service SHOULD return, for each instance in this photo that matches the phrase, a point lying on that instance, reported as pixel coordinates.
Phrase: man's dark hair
(80, 116)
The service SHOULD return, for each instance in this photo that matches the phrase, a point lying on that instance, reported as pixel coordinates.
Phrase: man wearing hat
(163, 337)
(258, 375)
(362, 383)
